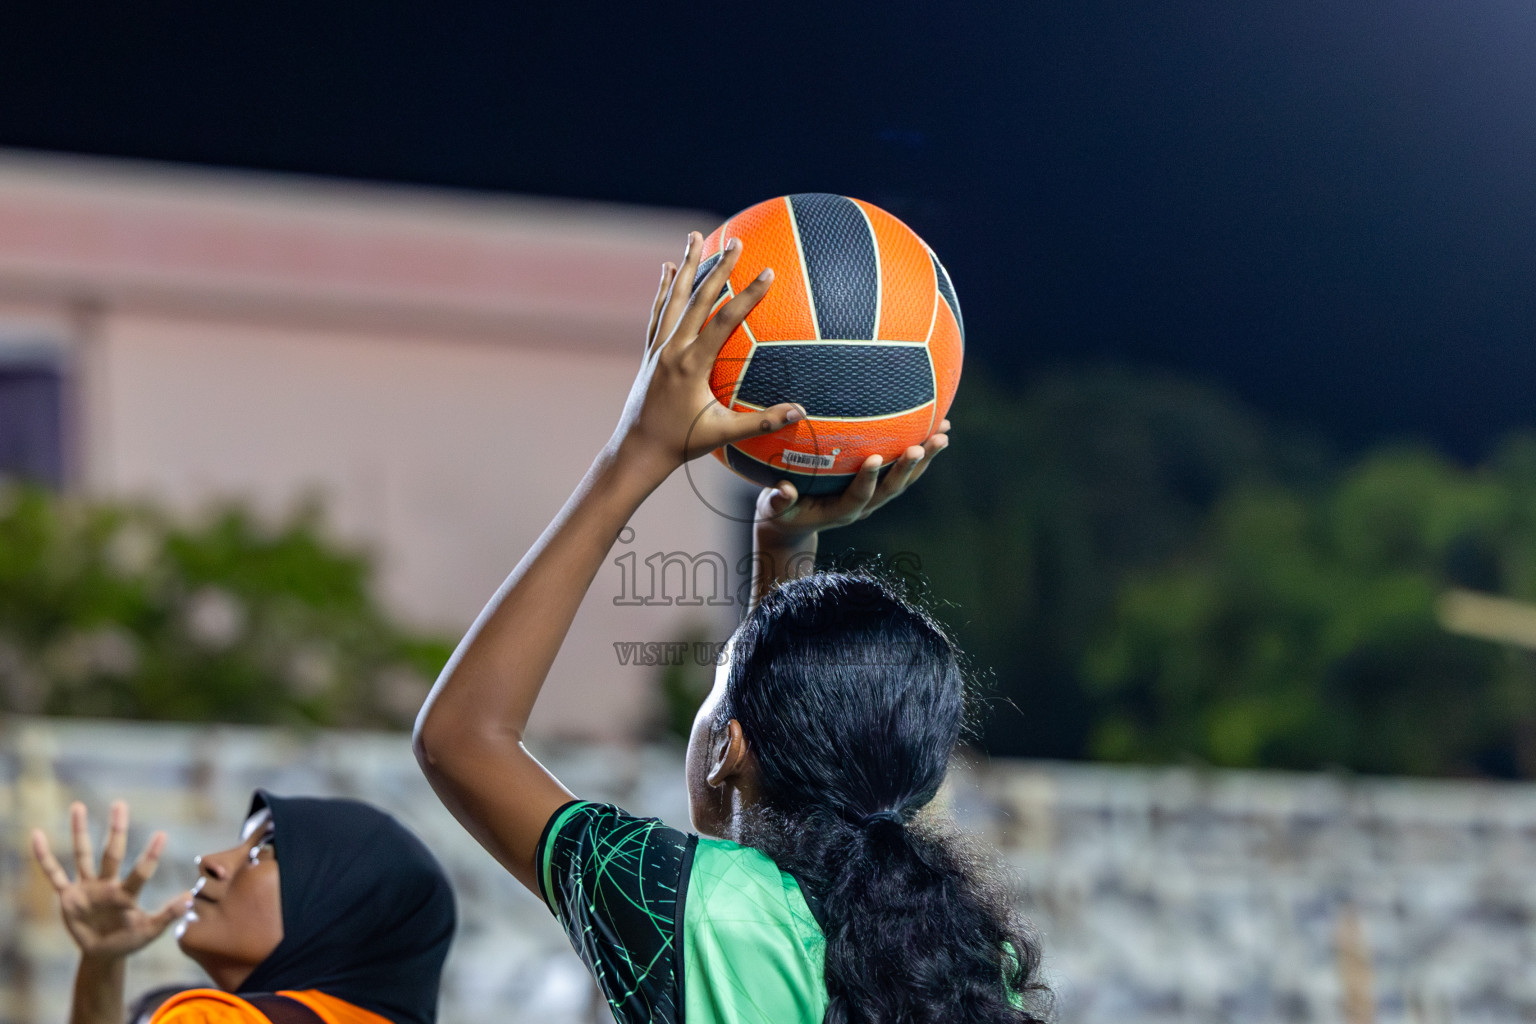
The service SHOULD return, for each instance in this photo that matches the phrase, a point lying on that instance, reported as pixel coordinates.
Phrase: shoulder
(580, 816)
(589, 843)
(207, 1006)
(615, 881)
(215, 1006)
(334, 1010)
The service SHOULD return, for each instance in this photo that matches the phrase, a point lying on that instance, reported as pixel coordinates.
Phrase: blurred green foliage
(1300, 629)
(118, 610)
(1140, 568)
(1026, 527)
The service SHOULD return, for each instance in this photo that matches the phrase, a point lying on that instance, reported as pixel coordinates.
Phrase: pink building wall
(438, 368)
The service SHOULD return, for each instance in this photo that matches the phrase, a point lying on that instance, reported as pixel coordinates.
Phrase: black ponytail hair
(852, 701)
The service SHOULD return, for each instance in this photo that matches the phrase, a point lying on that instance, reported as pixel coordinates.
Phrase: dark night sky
(1326, 206)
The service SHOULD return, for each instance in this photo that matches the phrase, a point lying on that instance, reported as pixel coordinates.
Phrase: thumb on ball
(782, 497)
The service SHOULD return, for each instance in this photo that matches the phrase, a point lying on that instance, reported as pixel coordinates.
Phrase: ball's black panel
(947, 289)
(840, 264)
(760, 472)
(838, 380)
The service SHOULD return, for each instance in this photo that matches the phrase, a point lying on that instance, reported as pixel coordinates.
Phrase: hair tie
(893, 817)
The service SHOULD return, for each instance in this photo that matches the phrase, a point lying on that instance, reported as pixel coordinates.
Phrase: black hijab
(367, 911)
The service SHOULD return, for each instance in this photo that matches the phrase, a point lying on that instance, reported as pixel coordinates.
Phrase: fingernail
(918, 458)
(875, 462)
(734, 243)
(766, 275)
(795, 415)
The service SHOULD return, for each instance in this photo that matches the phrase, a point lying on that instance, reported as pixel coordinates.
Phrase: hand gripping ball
(861, 327)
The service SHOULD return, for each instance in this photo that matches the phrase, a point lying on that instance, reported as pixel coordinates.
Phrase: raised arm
(469, 735)
(101, 911)
(786, 527)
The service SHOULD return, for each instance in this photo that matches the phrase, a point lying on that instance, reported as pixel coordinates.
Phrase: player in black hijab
(328, 909)
(367, 912)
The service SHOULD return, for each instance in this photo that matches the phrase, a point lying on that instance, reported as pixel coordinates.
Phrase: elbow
(447, 743)
(421, 749)
(427, 742)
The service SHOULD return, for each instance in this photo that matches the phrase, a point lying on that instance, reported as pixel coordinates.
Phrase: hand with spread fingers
(671, 415)
(783, 511)
(101, 910)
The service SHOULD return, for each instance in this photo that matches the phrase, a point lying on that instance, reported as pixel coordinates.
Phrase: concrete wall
(440, 369)
(1161, 895)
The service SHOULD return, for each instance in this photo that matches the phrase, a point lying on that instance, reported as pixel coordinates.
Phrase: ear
(730, 761)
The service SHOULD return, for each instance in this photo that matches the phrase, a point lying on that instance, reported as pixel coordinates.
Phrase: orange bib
(215, 1006)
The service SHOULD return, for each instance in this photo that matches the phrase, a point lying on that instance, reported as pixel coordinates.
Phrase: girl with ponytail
(815, 888)
(850, 701)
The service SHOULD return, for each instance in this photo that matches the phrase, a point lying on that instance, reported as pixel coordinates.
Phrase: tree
(1044, 503)
(117, 610)
(1301, 629)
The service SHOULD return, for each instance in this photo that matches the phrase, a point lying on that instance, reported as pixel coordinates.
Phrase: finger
(900, 475)
(931, 448)
(713, 339)
(680, 290)
(782, 498)
(82, 839)
(907, 469)
(775, 502)
(117, 840)
(176, 907)
(57, 876)
(144, 868)
(738, 426)
(708, 292)
(862, 488)
(667, 272)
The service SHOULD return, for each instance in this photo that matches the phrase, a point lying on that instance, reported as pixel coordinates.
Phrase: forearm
(98, 995)
(469, 734)
(494, 677)
(786, 527)
(777, 557)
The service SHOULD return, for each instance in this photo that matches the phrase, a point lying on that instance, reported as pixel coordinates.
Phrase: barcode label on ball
(806, 460)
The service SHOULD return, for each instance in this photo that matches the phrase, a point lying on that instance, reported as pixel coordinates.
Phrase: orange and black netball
(861, 327)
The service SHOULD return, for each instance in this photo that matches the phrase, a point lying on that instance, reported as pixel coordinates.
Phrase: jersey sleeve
(617, 884)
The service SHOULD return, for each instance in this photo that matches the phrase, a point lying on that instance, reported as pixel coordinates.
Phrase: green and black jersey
(677, 927)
